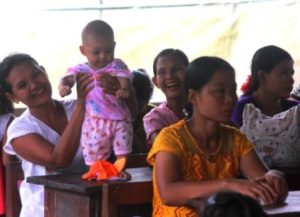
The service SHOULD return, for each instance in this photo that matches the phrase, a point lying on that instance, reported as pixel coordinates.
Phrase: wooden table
(70, 196)
(290, 208)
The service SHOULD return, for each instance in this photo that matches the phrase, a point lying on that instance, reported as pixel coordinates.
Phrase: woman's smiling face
(29, 84)
(170, 76)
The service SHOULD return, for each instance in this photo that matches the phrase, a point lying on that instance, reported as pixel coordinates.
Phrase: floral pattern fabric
(276, 138)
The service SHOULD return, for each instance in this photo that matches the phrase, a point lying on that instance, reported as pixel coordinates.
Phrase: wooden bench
(13, 175)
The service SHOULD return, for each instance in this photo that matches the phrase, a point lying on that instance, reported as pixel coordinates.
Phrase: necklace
(211, 153)
(211, 156)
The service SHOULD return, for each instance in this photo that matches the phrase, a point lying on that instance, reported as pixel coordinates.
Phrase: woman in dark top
(271, 83)
(265, 114)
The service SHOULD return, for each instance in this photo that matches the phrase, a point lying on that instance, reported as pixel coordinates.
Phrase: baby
(107, 125)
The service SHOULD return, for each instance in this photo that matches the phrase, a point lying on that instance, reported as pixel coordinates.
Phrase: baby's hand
(122, 94)
(64, 90)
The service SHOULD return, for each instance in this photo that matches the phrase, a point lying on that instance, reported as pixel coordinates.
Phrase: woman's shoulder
(231, 130)
(236, 141)
(160, 112)
(236, 135)
(237, 114)
(68, 104)
(176, 127)
(287, 103)
(25, 120)
(172, 133)
(156, 110)
(4, 119)
(245, 99)
(169, 139)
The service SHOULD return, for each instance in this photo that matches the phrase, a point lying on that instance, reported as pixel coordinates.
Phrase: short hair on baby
(97, 28)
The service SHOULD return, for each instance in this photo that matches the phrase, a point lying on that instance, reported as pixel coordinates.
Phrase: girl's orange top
(196, 165)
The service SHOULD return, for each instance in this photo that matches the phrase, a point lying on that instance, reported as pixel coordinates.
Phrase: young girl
(46, 136)
(168, 68)
(6, 116)
(265, 114)
(108, 124)
(203, 156)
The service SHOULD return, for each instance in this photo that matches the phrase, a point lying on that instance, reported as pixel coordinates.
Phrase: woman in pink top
(169, 72)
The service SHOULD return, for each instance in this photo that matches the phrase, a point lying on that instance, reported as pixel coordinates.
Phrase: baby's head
(232, 204)
(98, 43)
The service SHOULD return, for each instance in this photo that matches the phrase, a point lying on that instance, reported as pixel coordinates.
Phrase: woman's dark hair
(142, 85)
(265, 59)
(6, 105)
(180, 54)
(200, 71)
(8, 64)
(232, 204)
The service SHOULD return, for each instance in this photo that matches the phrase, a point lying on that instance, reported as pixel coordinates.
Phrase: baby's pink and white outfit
(107, 124)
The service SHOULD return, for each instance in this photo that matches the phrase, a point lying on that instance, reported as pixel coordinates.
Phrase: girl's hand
(258, 189)
(109, 83)
(278, 183)
(84, 85)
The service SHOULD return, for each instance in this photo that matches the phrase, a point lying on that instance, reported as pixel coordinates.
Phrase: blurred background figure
(143, 89)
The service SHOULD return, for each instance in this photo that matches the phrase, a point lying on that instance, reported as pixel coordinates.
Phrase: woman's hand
(258, 189)
(108, 83)
(84, 85)
(277, 181)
